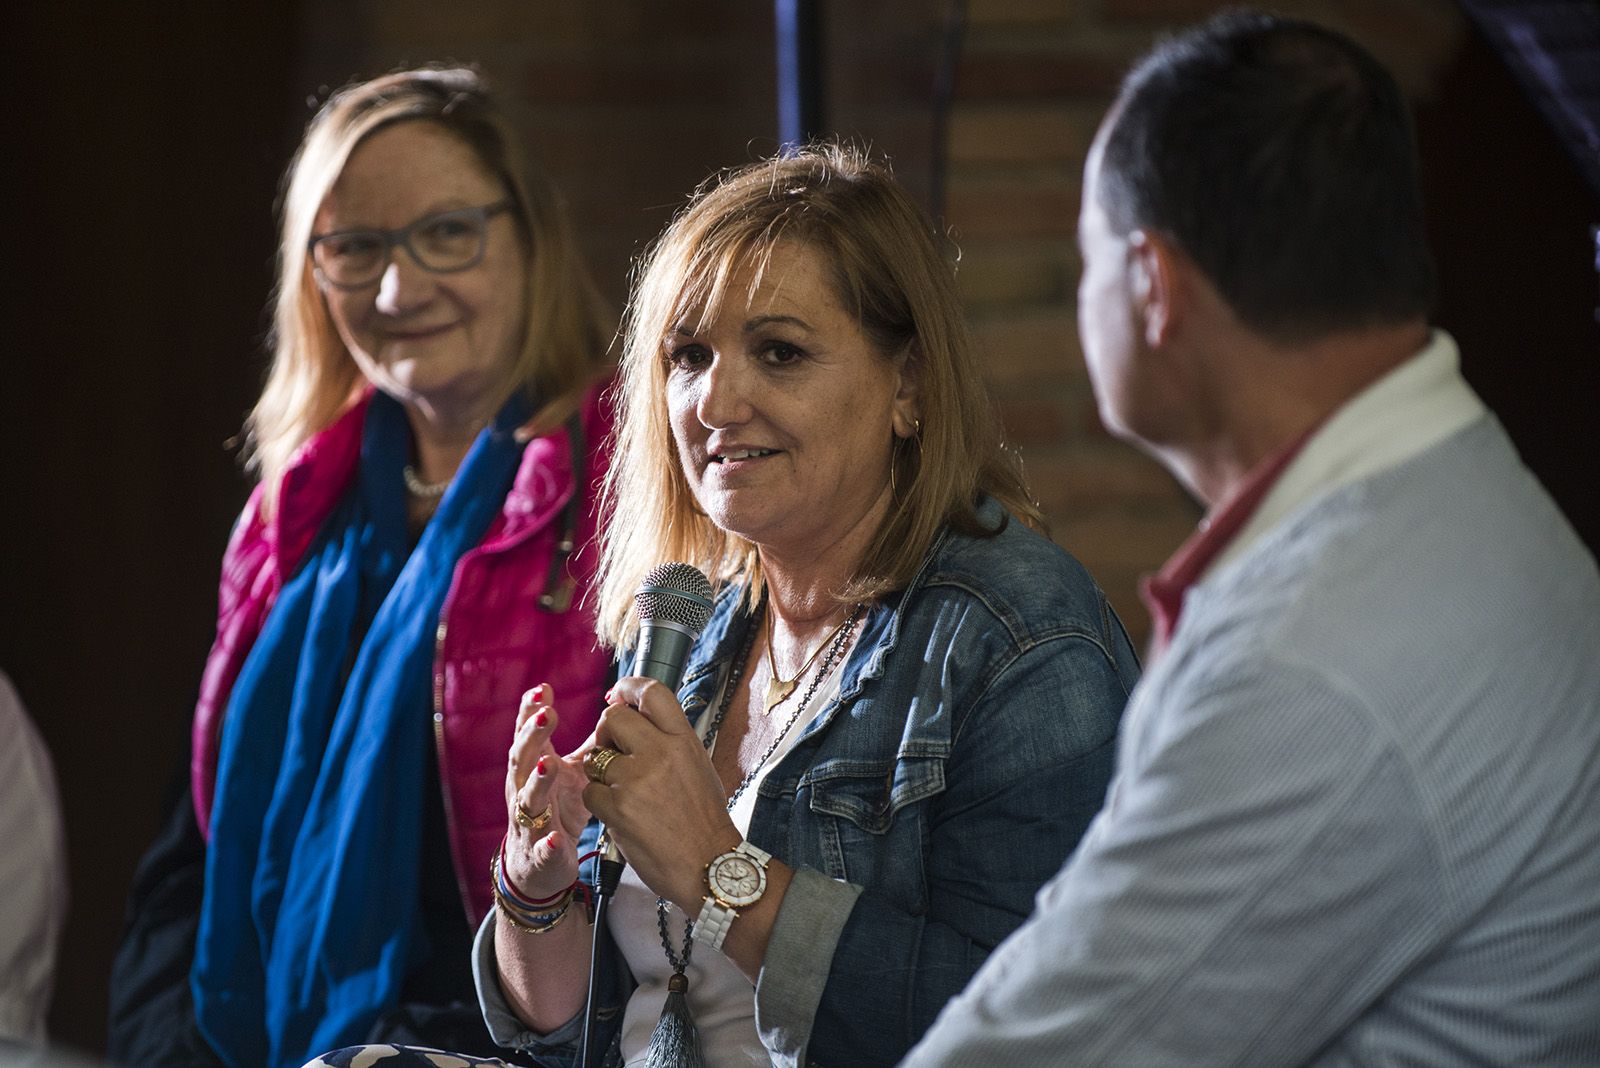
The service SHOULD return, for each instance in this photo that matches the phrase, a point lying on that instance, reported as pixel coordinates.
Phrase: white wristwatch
(735, 880)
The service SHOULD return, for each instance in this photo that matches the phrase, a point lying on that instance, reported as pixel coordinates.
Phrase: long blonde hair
(889, 272)
(312, 376)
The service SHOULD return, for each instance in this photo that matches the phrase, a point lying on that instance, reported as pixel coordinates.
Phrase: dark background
(144, 148)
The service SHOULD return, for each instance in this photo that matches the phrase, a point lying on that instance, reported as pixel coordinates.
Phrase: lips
(419, 334)
(735, 455)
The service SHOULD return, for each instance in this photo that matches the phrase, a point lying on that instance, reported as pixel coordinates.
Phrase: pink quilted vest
(495, 640)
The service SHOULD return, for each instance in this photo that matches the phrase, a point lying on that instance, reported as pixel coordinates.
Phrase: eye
(449, 228)
(689, 357)
(353, 245)
(780, 353)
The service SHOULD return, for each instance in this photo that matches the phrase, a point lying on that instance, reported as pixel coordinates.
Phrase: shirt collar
(1410, 409)
(1404, 413)
(1163, 592)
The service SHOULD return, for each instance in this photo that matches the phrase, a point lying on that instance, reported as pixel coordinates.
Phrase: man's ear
(1155, 270)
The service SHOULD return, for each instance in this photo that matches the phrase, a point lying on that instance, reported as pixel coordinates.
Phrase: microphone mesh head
(675, 593)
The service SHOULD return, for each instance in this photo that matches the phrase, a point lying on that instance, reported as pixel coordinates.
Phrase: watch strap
(755, 853)
(712, 925)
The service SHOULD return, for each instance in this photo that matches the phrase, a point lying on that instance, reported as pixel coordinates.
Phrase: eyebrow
(779, 320)
(752, 325)
(460, 204)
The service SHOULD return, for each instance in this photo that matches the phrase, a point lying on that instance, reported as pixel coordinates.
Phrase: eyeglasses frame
(402, 238)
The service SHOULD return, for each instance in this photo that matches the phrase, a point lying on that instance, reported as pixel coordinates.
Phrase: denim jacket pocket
(870, 821)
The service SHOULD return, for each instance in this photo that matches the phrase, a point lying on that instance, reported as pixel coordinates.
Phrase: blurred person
(1356, 814)
(33, 878)
(408, 564)
(901, 715)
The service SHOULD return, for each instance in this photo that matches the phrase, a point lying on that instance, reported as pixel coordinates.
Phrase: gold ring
(595, 763)
(537, 823)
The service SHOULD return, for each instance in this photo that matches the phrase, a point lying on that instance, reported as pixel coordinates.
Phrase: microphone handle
(663, 649)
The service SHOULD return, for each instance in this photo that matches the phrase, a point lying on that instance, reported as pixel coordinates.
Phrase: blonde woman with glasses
(408, 565)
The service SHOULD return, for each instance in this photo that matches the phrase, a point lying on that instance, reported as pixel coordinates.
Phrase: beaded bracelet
(533, 923)
(532, 915)
(497, 872)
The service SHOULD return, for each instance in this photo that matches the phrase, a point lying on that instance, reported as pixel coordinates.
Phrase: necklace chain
(779, 688)
(840, 637)
(427, 491)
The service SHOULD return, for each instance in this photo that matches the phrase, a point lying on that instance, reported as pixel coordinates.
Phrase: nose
(403, 286)
(724, 394)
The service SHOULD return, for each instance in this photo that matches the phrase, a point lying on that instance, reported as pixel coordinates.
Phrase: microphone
(673, 604)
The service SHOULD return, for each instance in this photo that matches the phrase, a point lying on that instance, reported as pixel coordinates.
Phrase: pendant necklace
(674, 1033)
(779, 689)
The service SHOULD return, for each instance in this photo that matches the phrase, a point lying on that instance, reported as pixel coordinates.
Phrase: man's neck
(1263, 397)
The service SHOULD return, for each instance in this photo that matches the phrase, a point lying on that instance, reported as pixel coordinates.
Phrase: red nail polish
(540, 719)
(538, 769)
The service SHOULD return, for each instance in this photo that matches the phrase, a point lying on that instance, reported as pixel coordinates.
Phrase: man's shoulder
(1418, 588)
(1435, 532)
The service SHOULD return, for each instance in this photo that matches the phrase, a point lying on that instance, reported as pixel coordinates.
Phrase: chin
(736, 521)
(439, 385)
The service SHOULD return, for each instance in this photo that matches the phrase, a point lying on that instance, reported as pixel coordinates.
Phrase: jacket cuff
(799, 955)
(505, 1026)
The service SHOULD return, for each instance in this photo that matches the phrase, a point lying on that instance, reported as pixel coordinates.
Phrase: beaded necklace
(680, 960)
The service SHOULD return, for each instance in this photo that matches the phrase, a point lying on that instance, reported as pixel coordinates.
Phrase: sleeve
(1258, 877)
(32, 871)
(559, 1048)
(151, 1006)
(151, 1010)
(853, 977)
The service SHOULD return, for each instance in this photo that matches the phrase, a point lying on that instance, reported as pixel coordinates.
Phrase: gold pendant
(778, 691)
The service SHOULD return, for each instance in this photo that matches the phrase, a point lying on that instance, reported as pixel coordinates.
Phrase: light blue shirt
(1356, 813)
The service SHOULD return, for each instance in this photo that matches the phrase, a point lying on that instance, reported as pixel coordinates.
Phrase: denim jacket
(969, 747)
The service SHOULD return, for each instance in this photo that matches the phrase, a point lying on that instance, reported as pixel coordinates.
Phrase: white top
(1356, 814)
(721, 999)
(33, 876)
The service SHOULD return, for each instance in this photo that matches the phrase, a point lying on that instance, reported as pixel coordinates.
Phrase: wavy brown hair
(890, 271)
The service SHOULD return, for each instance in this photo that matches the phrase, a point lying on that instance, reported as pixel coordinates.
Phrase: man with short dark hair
(1356, 814)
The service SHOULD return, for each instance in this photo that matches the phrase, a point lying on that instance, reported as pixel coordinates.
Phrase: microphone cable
(673, 604)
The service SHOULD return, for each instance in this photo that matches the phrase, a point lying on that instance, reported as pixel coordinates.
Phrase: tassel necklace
(675, 1042)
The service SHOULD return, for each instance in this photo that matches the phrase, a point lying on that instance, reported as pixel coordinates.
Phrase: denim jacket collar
(726, 629)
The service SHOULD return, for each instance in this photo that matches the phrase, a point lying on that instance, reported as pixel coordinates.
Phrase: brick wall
(628, 104)
(632, 103)
(1034, 79)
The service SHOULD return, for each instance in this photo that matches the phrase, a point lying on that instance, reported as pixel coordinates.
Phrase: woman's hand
(661, 800)
(542, 861)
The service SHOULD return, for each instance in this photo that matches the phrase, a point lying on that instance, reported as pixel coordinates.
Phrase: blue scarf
(310, 922)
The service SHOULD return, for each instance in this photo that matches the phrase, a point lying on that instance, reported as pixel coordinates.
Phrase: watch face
(736, 879)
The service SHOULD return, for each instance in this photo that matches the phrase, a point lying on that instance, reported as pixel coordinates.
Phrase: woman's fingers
(536, 722)
(654, 702)
(641, 715)
(659, 796)
(544, 816)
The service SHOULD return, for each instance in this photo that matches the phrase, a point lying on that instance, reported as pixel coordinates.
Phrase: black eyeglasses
(448, 241)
